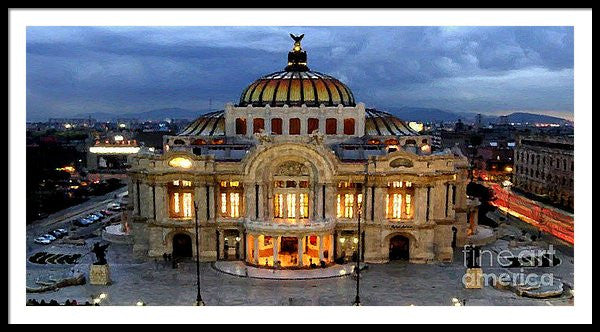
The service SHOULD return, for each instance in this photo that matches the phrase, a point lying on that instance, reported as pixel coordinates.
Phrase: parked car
(114, 206)
(42, 240)
(98, 214)
(49, 237)
(107, 213)
(63, 231)
(93, 217)
(56, 234)
(83, 222)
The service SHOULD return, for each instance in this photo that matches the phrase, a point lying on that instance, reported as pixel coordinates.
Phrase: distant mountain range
(154, 115)
(419, 114)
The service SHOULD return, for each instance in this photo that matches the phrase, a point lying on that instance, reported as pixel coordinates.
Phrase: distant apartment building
(544, 166)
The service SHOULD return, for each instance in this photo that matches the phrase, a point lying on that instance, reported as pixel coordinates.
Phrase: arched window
(331, 126)
(313, 125)
(349, 126)
(258, 125)
(276, 126)
(294, 126)
(240, 126)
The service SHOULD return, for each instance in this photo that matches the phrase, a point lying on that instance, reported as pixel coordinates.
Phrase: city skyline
(491, 70)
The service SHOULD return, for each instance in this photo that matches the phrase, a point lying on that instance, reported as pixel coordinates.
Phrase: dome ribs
(372, 118)
(296, 88)
(218, 119)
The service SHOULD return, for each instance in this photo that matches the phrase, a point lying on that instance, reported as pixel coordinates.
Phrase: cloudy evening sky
(492, 70)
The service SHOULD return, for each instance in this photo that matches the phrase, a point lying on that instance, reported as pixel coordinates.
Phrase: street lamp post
(357, 298)
(358, 247)
(199, 301)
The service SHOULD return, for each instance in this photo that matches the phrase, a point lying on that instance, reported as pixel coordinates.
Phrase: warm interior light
(180, 162)
(114, 149)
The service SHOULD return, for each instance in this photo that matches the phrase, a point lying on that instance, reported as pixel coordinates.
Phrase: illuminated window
(234, 198)
(231, 199)
(348, 199)
(303, 205)
(180, 162)
(398, 201)
(279, 206)
(291, 205)
(291, 198)
(176, 202)
(181, 199)
(223, 203)
(187, 205)
(348, 206)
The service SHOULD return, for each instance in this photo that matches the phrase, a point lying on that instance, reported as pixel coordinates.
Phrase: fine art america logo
(498, 264)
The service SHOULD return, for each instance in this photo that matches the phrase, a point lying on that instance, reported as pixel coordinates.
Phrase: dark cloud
(125, 69)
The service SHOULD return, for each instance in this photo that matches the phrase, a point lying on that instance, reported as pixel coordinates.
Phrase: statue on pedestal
(100, 252)
(99, 272)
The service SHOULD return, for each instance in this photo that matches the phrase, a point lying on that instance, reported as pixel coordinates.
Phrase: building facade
(282, 178)
(544, 166)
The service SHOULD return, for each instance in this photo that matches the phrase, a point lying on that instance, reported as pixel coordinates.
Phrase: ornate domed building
(282, 178)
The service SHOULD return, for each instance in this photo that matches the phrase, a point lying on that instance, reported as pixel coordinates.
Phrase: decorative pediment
(401, 162)
(291, 168)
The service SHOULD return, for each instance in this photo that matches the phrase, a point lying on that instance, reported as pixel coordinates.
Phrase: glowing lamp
(342, 240)
(355, 240)
(180, 162)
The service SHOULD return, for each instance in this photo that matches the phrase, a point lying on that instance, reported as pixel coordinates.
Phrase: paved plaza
(155, 282)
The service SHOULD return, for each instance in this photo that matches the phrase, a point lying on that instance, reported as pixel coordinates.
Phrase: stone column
(321, 257)
(249, 125)
(250, 200)
(300, 251)
(331, 248)
(420, 204)
(330, 207)
(199, 199)
(276, 249)
(379, 207)
(212, 202)
(256, 249)
(162, 202)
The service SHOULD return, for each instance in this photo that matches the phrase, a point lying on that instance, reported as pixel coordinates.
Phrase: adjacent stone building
(544, 166)
(283, 177)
